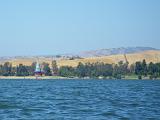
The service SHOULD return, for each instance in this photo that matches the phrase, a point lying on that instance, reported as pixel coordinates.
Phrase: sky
(50, 27)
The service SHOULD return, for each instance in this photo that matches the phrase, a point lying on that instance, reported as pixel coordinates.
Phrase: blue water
(80, 99)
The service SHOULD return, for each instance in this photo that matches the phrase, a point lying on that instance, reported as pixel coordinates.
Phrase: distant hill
(114, 51)
(110, 56)
(149, 56)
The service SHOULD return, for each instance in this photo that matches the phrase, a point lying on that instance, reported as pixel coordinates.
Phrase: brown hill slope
(149, 56)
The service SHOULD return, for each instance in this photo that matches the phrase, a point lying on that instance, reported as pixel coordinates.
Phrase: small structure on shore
(38, 70)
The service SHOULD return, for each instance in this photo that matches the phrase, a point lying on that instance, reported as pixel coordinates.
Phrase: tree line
(91, 70)
(113, 71)
(22, 70)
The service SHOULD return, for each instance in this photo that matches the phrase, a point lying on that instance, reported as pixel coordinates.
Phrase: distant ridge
(114, 51)
(86, 54)
(113, 55)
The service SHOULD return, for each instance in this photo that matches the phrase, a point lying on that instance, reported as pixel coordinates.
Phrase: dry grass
(149, 56)
(74, 63)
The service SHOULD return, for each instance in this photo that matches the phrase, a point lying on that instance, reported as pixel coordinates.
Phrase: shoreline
(31, 77)
(68, 78)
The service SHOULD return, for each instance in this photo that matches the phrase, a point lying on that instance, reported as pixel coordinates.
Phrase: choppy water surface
(80, 99)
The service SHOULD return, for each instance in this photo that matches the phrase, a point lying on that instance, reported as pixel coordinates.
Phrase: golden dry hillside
(149, 56)
(74, 63)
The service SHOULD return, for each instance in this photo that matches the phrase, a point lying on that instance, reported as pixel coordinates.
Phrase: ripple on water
(80, 100)
(7, 105)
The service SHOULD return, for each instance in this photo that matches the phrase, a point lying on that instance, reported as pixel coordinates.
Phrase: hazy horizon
(58, 27)
(79, 52)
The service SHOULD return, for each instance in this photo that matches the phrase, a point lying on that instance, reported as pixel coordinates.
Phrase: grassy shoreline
(59, 77)
(31, 77)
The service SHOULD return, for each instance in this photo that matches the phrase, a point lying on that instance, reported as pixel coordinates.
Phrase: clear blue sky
(46, 27)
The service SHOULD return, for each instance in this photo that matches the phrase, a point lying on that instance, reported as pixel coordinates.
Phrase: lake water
(80, 99)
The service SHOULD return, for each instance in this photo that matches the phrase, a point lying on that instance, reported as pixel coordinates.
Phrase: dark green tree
(66, 71)
(81, 70)
(6, 69)
(153, 70)
(138, 68)
(132, 69)
(144, 68)
(54, 67)
(22, 70)
(46, 69)
(1, 70)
